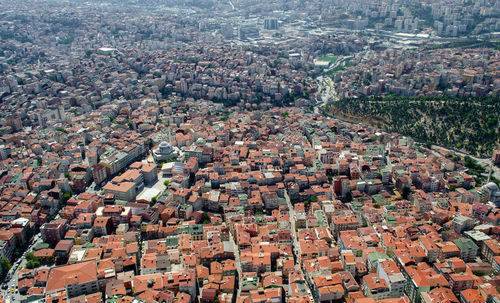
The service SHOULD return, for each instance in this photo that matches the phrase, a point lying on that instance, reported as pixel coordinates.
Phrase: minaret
(489, 173)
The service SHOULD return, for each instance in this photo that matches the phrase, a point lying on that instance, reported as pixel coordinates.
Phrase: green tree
(31, 264)
(479, 273)
(6, 266)
(61, 129)
(67, 195)
(29, 256)
(153, 201)
(205, 219)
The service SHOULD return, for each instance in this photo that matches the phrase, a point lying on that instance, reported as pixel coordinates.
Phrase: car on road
(12, 290)
(20, 267)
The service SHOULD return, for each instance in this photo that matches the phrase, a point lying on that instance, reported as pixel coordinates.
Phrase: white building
(164, 152)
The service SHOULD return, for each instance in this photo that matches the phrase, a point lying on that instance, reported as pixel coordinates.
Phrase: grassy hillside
(468, 124)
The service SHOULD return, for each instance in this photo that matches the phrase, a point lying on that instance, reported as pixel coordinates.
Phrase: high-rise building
(227, 31)
(271, 24)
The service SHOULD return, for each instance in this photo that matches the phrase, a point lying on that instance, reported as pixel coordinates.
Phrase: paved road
(328, 92)
(238, 263)
(16, 267)
(295, 243)
(437, 150)
(327, 89)
(485, 162)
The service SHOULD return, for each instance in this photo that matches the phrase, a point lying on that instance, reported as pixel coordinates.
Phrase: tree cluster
(467, 124)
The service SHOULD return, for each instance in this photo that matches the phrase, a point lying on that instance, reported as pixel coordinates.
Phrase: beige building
(124, 191)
